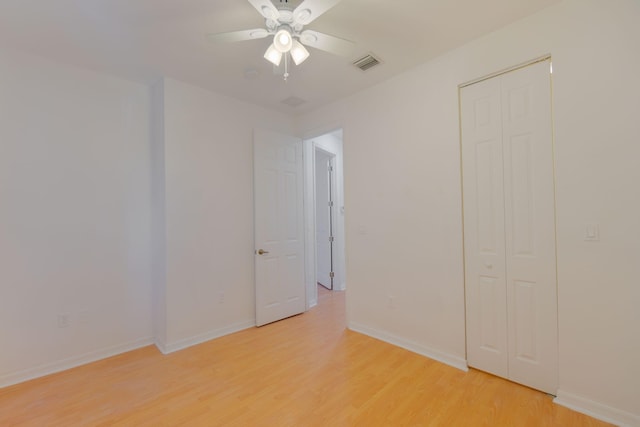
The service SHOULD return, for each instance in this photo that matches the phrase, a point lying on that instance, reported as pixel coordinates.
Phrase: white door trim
(505, 70)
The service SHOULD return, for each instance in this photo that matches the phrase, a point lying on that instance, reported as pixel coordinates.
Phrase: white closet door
(509, 227)
(530, 227)
(484, 227)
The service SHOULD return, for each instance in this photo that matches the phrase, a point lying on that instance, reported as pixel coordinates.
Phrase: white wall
(208, 182)
(158, 216)
(402, 181)
(115, 220)
(74, 216)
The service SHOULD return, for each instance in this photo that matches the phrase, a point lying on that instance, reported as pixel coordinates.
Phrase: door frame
(310, 145)
(461, 86)
(545, 58)
(331, 190)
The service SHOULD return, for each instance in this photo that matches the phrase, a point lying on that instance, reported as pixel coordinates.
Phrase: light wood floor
(304, 371)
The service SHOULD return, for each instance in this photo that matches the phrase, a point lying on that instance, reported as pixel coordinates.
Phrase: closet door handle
(489, 266)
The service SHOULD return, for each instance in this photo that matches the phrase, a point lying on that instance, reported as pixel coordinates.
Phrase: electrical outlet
(592, 232)
(220, 297)
(64, 320)
(391, 301)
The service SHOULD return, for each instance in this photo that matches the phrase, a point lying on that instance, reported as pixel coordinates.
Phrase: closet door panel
(483, 196)
(530, 227)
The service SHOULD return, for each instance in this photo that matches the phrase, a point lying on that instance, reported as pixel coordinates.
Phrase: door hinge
(330, 168)
(332, 274)
(330, 203)
(331, 239)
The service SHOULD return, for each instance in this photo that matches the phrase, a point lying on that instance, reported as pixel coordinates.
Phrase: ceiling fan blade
(266, 9)
(238, 36)
(327, 43)
(309, 10)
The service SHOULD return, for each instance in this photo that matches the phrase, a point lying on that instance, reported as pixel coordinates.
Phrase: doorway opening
(324, 212)
(324, 174)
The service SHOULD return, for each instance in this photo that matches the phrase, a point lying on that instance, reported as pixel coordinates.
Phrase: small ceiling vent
(293, 101)
(367, 62)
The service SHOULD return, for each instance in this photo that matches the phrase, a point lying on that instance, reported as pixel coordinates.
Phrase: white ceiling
(143, 40)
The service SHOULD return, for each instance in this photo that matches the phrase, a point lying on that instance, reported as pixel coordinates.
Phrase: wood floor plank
(303, 371)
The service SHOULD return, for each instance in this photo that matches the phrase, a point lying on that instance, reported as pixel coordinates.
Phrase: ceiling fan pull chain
(286, 66)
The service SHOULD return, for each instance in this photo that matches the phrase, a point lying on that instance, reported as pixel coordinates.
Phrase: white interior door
(323, 220)
(509, 227)
(279, 234)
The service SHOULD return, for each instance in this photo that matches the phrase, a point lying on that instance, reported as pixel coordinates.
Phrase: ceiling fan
(286, 25)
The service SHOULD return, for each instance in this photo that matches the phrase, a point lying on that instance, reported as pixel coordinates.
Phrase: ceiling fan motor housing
(286, 17)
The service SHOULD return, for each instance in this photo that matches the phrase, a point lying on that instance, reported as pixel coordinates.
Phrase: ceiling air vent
(293, 101)
(367, 62)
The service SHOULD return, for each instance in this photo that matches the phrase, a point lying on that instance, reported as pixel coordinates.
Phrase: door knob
(262, 252)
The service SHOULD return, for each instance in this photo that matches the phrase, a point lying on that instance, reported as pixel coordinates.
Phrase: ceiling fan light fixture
(284, 24)
(298, 52)
(283, 41)
(273, 55)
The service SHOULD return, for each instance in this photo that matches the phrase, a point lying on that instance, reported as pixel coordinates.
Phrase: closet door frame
(511, 170)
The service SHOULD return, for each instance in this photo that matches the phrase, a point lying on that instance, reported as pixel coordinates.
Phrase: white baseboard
(71, 362)
(597, 410)
(440, 356)
(167, 348)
